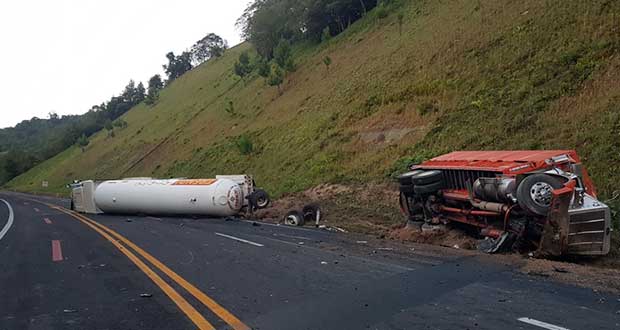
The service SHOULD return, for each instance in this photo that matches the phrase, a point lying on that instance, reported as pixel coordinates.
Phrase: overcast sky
(67, 55)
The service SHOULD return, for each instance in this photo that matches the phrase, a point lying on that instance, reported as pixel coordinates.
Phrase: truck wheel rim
(291, 220)
(541, 193)
(261, 202)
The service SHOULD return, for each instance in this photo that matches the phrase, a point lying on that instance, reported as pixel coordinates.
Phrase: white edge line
(240, 239)
(9, 223)
(541, 324)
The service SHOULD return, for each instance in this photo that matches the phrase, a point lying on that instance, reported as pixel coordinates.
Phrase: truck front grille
(457, 179)
(589, 228)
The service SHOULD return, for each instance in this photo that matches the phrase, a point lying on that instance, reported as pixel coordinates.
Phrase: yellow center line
(216, 308)
(188, 309)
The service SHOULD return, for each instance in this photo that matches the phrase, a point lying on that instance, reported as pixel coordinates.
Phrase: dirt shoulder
(372, 212)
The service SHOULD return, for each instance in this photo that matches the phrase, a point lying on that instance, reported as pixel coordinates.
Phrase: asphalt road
(64, 271)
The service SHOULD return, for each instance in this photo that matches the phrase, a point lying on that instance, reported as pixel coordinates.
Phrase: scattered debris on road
(67, 311)
(146, 295)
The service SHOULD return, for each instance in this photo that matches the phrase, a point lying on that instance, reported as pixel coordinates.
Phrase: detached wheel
(405, 178)
(426, 177)
(428, 189)
(535, 192)
(260, 199)
(294, 218)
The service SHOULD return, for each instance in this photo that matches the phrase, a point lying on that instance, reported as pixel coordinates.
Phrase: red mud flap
(554, 239)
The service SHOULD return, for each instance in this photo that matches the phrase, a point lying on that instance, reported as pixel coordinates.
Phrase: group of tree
(211, 46)
(35, 140)
(272, 70)
(266, 22)
(274, 26)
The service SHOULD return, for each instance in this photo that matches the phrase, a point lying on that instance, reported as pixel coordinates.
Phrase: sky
(64, 56)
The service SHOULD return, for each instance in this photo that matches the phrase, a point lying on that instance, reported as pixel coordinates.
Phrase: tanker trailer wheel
(405, 178)
(294, 218)
(260, 199)
(428, 188)
(426, 178)
(534, 193)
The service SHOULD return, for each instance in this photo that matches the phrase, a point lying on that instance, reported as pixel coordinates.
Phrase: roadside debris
(69, 311)
(362, 242)
(312, 213)
(323, 262)
(146, 295)
(294, 218)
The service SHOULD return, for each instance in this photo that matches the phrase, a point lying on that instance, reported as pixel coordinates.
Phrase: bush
(426, 108)
(381, 10)
(244, 144)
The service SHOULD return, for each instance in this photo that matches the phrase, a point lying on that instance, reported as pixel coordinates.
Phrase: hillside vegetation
(456, 75)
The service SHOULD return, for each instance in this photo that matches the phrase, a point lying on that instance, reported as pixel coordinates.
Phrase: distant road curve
(9, 221)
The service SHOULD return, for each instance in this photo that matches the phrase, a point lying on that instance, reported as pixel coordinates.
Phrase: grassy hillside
(462, 75)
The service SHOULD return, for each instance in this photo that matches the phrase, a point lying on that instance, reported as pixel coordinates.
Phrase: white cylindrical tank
(215, 197)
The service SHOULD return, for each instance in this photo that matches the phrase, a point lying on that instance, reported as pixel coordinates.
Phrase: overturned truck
(517, 200)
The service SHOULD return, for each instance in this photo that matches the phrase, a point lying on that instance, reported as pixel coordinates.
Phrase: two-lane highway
(62, 270)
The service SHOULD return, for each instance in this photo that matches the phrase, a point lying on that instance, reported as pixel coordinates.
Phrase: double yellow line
(197, 318)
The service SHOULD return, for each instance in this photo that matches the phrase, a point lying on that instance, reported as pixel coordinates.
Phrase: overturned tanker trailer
(520, 200)
(226, 195)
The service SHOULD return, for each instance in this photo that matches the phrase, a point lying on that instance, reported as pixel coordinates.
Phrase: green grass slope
(462, 75)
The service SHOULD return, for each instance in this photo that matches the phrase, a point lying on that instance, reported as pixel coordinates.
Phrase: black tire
(428, 188)
(534, 192)
(405, 178)
(407, 190)
(426, 177)
(259, 199)
(294, 218)
(312, 213)
(403, 202)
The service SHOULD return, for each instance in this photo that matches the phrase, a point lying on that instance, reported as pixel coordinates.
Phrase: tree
(155, 85)
(283, 56)
(140, 93)
(326, 35)
(327, 61)
(276, 77)
(208, 47)
(82, 142)
(177, 65)
(11, 168)
(108, 125)
(243, 67)
(263, 67)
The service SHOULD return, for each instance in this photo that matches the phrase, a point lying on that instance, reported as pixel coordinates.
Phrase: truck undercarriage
(517, 200)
